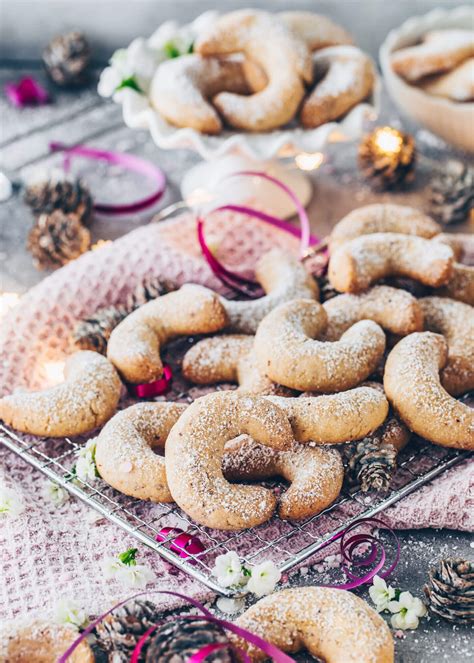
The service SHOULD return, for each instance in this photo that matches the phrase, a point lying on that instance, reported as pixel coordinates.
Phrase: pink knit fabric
(47, 552)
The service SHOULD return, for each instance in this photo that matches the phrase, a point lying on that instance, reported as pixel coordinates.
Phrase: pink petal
(27, 92)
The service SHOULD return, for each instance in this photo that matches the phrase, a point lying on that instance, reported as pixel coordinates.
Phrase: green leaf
(128, 557)
(246, 572)
(171, 50)
(71, 475)
(397, 594)
(191, 47)
(131, 83)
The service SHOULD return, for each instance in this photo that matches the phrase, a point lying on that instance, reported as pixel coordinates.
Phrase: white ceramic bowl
(454, 122)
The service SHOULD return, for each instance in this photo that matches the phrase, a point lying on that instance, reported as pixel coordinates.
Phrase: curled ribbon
(237, 281)
(127, 161)
(155, 388)
(184, 544)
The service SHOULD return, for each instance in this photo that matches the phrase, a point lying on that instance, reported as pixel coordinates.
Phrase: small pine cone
(387, 157)
(177, 641)
(60, 193)
(369, 464)
(326, 291)
(450, 591)
(148, 289)
(120, 631)
(93, 333)
(452, 193)
(56, 239)
(67, 58)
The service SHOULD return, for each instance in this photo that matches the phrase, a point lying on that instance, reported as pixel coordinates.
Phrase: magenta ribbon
(348, 550)
(127, 161)
(234, 280)
(27, 92)
(155, 388)
(271, 650)
(184, 545)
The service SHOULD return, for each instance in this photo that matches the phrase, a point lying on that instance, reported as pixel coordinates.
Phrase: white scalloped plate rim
(138, 114)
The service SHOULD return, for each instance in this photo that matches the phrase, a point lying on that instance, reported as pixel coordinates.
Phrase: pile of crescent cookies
(442, 64)
(301, 370)
(257, 71)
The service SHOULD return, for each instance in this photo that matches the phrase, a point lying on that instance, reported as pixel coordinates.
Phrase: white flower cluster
(55, 493)
(406, 609)
(85, 467)
(260, 579)
(69, 613)
(10, 503)
(125, 569)
(133, 67)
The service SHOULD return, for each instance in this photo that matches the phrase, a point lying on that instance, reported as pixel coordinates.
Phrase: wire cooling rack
(287, 544)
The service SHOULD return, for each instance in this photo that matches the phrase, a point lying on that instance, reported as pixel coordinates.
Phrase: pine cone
(66, 59)
(149, 289)
(326, 291)
(450, 591)
(371, 462)
(387, 157)
(177, 641)
(94, 332)
(56, 239)
(64, 194)
(120, 631)
(452, 193)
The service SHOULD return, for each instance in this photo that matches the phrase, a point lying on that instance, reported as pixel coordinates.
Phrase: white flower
(69, 613)
(264, 578)
(407, 611)
(109, 81)
(10, 503)
(110, 566)
(55, 493)
(137, 575)
(230, 606)
(228, 570)
(85, 465)
(381, 593)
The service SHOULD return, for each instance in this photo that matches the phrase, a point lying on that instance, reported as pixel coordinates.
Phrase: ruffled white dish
(236, 150)
(451, 121)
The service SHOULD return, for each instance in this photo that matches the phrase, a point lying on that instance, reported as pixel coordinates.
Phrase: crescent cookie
(440, 50)
(315, 474)
(181, 88)
(335, 418)
(457, 85)
(382, 218)
(455, 321)
(288, 353)
(396, 311)
(228, 358)
(42, 642)
(331, 624)
(86, 399)
(359, 263)
(462, 244)
(412, 385)
(134, 345)
(284, 59)
(194, 451)
(344, 77)
(461, 285)
(316, 30)
(125, 451)
(283, 278)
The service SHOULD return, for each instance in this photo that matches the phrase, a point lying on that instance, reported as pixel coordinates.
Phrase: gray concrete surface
(83, 117)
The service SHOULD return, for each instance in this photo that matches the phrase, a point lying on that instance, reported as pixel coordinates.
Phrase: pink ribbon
(27, 92)
(348, 550)
(155, 388)
(184, 545)
(233, 279)
(127, 161)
